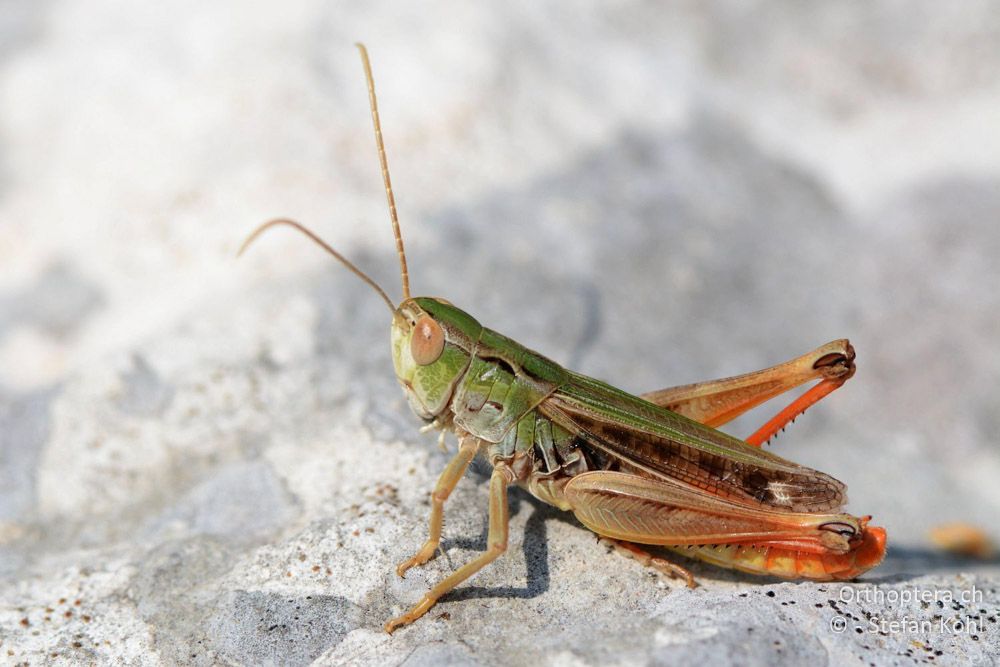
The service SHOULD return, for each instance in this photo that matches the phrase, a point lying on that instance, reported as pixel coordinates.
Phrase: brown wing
(654, 441)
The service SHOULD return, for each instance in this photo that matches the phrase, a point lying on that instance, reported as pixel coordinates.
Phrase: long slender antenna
(373, 103)
(323, 244)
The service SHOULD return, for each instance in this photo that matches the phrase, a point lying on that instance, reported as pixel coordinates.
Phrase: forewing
(664, 444)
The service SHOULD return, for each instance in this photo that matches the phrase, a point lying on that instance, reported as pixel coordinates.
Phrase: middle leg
(496, 545)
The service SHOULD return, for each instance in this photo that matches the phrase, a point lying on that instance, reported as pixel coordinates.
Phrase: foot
(425, 554)
(635, 552)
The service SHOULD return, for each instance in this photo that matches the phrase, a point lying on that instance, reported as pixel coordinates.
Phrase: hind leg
(646, 559)
(717, 402)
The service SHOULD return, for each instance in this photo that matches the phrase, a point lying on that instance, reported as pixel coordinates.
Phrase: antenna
(404, 274)
(322, 244)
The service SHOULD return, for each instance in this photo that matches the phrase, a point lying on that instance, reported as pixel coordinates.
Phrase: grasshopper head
(432, 343)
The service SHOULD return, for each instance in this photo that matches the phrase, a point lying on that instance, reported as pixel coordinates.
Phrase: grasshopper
(637, 470)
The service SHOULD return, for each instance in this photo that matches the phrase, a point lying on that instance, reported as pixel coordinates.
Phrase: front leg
(453, 472)
(496, 544)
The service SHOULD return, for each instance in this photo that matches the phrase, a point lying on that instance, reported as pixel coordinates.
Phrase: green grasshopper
(636, 470)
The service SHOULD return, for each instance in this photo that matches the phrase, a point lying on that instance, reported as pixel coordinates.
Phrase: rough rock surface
(209, 462)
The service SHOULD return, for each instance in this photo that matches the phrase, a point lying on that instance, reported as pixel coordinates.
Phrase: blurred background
(650, 194)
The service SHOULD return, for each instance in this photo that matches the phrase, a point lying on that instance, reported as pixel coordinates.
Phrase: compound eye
(427, 341)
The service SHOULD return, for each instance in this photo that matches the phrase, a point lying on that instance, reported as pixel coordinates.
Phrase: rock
(207, 462)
